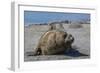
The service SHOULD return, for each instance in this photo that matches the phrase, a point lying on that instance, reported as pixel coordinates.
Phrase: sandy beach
(81, 33)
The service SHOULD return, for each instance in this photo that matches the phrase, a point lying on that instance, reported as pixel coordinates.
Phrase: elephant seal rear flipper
(37, 52)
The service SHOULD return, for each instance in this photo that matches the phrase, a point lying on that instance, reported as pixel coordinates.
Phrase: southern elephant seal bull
(54, 41)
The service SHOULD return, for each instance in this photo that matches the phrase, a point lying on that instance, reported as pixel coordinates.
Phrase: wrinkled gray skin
(54, 41)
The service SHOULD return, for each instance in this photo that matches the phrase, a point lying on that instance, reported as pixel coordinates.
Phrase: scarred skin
(54, 41)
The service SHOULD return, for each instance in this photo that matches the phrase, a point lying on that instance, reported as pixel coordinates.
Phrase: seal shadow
(73, 52)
